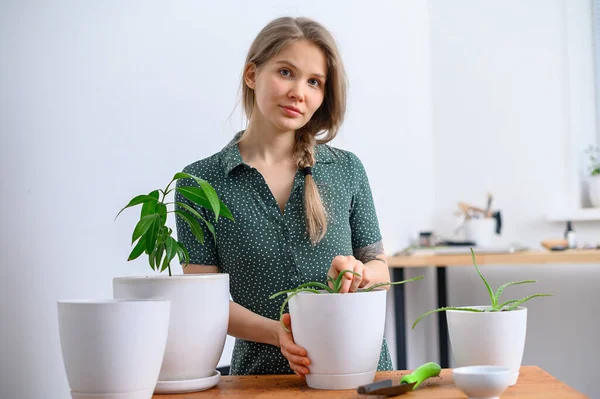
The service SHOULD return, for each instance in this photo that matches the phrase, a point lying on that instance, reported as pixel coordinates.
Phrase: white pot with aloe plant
(491, 335)
(594, 176)
(342, 333)
(199, 303)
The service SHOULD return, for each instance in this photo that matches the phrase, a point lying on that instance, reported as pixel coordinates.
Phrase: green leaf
(194, 225)
(393, 283)
(162, 211)
(507, 303)
(189, 209)
(151, 258)
(142, 226)
(211, 194)
(503, 286)
(152, 234)
(520, 301)
(140, 199)
(138, 249)
(492, 297)
(185, 253)
(209, 191)
(225, 212)
(171, 245)
(199, 216)
(149, 207)
(196, 195)
(306, 285)
(211, 228)
(183, 175)
(165, 263)
(443, 310)
(337, 284)
(158, 254)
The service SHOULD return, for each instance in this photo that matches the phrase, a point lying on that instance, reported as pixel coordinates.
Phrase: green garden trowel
(407, 383)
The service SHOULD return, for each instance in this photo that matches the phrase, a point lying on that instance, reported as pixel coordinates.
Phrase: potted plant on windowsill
(342, 333)
(488, 335)
(199, 302)
(594, 176)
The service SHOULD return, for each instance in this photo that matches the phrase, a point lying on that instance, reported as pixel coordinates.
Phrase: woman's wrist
(273, 327)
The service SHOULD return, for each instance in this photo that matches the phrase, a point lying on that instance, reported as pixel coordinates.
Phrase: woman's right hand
(295, 354)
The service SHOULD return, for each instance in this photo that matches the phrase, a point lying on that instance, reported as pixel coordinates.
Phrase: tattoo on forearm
(371, 252)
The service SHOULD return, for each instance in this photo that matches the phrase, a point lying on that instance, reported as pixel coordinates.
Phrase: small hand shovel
(407, 383)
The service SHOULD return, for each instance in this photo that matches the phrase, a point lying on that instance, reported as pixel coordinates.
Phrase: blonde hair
(326, 120)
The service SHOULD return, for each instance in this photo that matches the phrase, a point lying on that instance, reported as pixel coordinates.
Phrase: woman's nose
(296, 92)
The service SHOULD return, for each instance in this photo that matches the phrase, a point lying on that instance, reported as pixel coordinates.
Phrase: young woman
(303, 210)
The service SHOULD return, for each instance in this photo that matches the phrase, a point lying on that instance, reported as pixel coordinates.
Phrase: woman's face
(290, 87)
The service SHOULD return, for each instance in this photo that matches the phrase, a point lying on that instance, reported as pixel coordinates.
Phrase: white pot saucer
(200, 384)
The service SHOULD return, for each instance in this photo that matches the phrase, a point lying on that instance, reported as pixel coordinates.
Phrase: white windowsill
(582, 214)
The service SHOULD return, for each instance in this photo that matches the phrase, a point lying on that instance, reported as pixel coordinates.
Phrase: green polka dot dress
(266, 251)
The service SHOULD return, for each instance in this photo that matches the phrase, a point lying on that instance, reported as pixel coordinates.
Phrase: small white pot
(198, 327)
(488, 338)
(111, 348)
(594, 190)
(480, 231)
(343, 335)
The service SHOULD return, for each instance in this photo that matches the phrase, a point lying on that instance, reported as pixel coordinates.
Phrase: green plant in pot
(342, 333)
(336, 285)
(193, 350)
(488, 335)
(154, 237)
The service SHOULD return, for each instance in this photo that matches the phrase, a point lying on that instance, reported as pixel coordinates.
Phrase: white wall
(501, 124)
(102, 101)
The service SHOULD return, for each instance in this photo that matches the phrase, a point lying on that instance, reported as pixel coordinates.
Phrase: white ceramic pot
(342, 334)
(112, 348)
(594, 190)
(198, 327)
(488, 338)
(480, 231)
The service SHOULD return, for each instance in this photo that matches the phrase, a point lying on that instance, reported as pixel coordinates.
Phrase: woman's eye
(314, 82)
(285, 72)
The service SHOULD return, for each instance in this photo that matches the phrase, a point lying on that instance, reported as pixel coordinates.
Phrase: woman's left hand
(351, 282)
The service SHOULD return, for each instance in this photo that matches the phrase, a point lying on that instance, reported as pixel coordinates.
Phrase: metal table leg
(442, 297)
(399, 306)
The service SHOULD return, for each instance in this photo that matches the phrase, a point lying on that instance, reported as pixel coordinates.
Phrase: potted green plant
(488, 335)
(342, 333)
(199, 302)
(594, 175)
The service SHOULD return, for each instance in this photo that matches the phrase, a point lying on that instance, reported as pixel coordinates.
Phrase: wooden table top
(591, 256)
(533, 383)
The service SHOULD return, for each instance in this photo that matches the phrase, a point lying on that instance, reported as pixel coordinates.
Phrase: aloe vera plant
(496, 306)
(336, 284)
(154, 237)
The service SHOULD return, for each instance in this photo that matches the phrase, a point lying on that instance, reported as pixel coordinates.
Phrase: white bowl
(482, 382)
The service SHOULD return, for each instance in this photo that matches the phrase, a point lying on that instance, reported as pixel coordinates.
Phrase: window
(582, 82)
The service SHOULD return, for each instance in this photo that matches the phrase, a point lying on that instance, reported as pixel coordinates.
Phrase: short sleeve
(200, 254)
(363, 217)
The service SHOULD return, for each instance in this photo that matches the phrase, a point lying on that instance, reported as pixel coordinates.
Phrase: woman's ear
(250, 75)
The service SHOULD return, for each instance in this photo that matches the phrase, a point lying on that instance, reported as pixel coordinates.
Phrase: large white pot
(594, 190)
(343, 335)
(111, 348)
(488, 338)
(198, 327)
